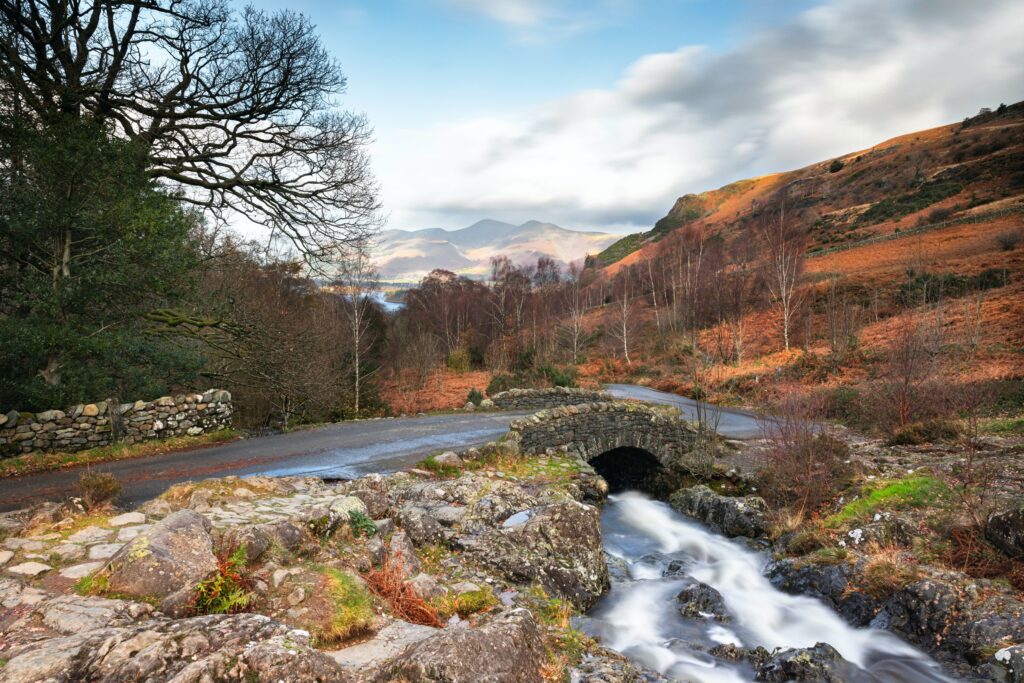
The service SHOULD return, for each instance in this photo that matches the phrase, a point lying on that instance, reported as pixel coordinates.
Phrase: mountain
(408, 255)
(958, 173)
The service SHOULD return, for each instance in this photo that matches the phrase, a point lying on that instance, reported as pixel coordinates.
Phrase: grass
(94, 584)
(911, 492)
(1013, 425)
(466, 604)
(352, 609)
(886, 572)
(565, 644)
(45, 462)
(431, 464)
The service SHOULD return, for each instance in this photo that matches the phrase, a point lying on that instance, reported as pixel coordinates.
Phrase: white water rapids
(640, 616)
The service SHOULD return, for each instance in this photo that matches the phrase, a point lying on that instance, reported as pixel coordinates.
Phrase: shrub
(992, 278)
(360, 524)
(929, 431)
(500, 383)
(1009, 240)
(229, 590)
(836, 166)
(459, 361)
(805, 465)
(559, 377)
(475, 397)
(98, 489)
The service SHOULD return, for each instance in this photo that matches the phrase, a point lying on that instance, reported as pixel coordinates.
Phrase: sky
(598, 115)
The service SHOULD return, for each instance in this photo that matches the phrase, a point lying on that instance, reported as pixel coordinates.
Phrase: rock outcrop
(165, 562)
(506, 648)
(557, 545)
(220, 648)
(733, 516)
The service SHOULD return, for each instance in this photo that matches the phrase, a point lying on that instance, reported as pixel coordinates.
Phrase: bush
(459, 361)
(806, 466)
(992, 278)
(229, 590)
(98, 489)
(559, 377)
(1009, 240)
(500, 383)
(836, 166)
(475, 397)
(929, 431)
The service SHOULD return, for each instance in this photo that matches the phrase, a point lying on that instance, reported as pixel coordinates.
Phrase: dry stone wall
(539, 399)
(100, 424)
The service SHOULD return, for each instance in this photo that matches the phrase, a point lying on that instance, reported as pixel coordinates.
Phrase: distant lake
(388, 306)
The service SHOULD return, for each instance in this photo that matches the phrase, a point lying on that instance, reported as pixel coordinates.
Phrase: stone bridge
(632, 445)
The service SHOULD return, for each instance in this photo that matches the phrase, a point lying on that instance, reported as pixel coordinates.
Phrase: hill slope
(957, 172)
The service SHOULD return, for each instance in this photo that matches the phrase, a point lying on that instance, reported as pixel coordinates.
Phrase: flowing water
(659, 553)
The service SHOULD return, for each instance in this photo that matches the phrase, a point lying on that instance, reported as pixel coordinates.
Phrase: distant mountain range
(408, 255)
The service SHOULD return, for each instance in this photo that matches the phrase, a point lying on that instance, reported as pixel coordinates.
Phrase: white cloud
(542, 20)
(837, 78)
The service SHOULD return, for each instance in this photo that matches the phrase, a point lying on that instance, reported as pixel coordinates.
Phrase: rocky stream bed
(510, 569)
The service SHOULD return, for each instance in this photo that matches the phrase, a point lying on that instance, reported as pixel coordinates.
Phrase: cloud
(542, 20)
(839, 77)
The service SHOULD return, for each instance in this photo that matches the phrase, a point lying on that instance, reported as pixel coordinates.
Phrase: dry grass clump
(887, 571)
(388, 583)
(98, 489)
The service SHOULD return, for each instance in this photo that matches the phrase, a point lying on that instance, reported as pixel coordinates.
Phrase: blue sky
(596, 115)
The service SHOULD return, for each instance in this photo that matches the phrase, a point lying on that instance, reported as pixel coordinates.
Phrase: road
(733, 423)
(339, 451)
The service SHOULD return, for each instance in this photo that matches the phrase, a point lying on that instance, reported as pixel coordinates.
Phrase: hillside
(408, 255)
(966, 172)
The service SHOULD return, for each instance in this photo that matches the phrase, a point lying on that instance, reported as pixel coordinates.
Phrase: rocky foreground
(469, 572)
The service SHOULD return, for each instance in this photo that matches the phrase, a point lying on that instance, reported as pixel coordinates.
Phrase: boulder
(821, 664)
(241, 647)
(420, 525)
(558, 545)
(732, 516)
(400, 549)
(165, 562)
(834, 584)
(285, 535)
(701, 601)
(506, 648)
(448, 459)
(1006, 530)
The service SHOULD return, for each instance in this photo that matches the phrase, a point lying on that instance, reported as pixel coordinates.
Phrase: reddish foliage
(388, 582)
(970, 553)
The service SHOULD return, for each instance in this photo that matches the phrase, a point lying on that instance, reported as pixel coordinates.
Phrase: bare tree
(358, 279)
(784, 244)
(575, 308)
(623, 313)
(236, 109)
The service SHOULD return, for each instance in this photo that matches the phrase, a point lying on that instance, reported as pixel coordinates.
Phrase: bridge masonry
(591, 429)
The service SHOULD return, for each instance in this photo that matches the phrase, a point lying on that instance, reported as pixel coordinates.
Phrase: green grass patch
(352, 606)
(911, 492)
(1014, 425)
(621, 249)
(94, 584)
(44, 462)
(431, 464)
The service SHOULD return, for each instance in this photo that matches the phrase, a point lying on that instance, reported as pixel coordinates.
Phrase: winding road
(338, 451)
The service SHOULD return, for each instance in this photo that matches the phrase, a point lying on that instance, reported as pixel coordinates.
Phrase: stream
(659, 553)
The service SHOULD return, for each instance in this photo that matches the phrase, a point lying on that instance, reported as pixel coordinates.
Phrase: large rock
(504, 649)
(835, 584)
(732, 516)
(165, 562)
(242, 647)
(558, 545)
(821, 664)
(1006, 530)
(420, 525)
